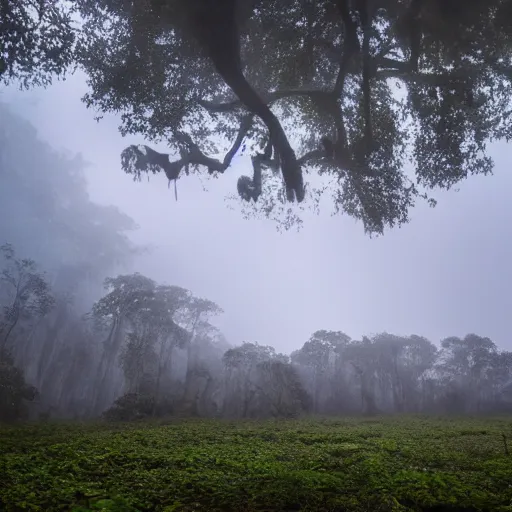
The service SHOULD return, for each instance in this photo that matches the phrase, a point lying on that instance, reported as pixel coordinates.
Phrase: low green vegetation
(373, 464)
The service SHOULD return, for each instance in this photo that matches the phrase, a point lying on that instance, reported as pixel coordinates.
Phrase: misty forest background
(83, 334)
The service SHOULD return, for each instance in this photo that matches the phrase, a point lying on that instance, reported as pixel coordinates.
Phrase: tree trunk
(161, 368)
(107, 361)
(3, 346)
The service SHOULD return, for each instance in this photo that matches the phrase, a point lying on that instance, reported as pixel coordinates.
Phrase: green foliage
(105, 505)
(385, 464)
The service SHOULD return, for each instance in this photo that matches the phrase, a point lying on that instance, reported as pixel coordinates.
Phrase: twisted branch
(138, 159)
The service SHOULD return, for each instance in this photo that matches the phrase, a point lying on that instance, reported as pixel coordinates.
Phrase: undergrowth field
(386, 464)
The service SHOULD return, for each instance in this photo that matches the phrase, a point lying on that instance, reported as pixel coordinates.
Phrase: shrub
(14, 391)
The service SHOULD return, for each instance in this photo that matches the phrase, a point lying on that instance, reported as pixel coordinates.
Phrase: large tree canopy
(363, 88)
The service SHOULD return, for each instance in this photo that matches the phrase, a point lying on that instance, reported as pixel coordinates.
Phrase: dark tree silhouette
(36, 41)
(362, 87)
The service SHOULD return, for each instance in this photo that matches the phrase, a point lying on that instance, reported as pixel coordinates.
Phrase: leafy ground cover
(384, 464)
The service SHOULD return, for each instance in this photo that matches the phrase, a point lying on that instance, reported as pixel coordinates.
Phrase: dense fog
(83, 334)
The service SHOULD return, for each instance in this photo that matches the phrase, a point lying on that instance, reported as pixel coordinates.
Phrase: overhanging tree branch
(138, 159)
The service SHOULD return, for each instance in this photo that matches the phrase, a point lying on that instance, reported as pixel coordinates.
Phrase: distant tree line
(147, 350)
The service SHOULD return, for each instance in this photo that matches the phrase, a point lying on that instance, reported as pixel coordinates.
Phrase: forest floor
(379, 464)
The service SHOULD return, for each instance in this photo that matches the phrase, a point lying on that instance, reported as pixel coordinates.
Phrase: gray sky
(446, 273)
